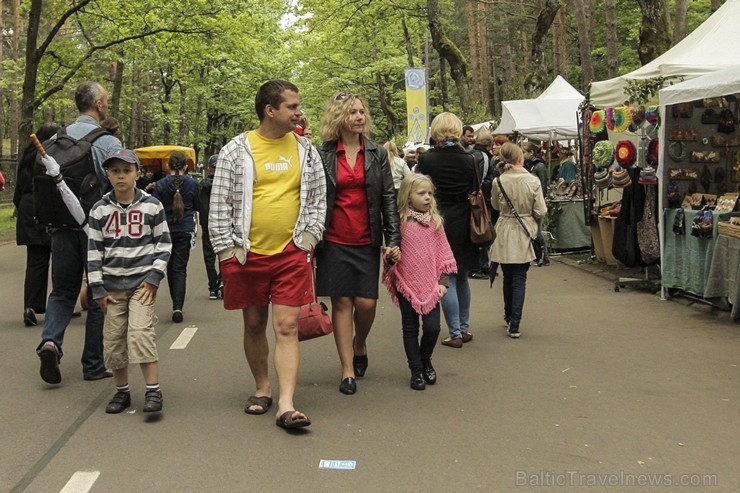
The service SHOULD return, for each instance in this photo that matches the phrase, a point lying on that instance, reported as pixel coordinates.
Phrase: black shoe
(430, 376)
(177, 316)
(98, 376)
(76, 314)
(478, 275)
(417, 380)
(120, 402)
(213, 294)
(152, 401)
(348, 386)
(514, 332)
(29, 317)
(50, 363)
(359, 363)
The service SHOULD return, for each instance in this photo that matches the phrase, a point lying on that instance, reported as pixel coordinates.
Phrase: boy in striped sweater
(128, 248)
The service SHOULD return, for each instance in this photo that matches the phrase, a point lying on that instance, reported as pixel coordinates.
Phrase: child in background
(128, 249)
(420, 279)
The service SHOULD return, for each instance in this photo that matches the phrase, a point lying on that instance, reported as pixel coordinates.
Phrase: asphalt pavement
(605, 391)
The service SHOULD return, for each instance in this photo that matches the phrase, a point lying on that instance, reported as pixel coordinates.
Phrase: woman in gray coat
(512, 248)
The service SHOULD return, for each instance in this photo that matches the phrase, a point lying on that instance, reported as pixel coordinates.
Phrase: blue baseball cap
(125, 155)
(212, 161)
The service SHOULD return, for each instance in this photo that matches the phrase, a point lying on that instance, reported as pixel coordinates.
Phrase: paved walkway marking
(182, 341)
(81, 482)
(337, 464)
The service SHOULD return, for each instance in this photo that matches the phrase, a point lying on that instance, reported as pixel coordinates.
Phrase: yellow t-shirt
(277, 192)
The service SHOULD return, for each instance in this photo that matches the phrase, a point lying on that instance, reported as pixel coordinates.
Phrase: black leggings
(415, 350)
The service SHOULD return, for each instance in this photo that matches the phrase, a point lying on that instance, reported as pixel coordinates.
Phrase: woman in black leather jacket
(361, 213)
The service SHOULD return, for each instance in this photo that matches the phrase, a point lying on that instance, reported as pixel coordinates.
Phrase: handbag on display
(536, 242)
(314, 320)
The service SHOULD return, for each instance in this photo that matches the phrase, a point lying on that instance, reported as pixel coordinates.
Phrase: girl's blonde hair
(510, 155)
(337, 113)
(392, 150)
(408, 185)
(446, 126)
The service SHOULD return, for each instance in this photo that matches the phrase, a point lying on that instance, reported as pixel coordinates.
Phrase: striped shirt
(127, 246)
(230, 215)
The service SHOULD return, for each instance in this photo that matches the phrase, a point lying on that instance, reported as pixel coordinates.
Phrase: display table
(686, 259)
(571, 231)
(724, 273)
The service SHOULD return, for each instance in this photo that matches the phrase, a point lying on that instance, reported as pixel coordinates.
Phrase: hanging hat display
(620, 177)
(622, 119)
(652, 153)
(626, 153)
(596, 125)
(651, 114)
(603, 154)
(602, 178)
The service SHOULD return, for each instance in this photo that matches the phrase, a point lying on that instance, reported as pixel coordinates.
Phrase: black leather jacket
(381, 196)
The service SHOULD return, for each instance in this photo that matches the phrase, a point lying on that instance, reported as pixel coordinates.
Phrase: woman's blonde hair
(408, 185)
(446, 126)
(337, 113)
(392, 150)
(510, 155)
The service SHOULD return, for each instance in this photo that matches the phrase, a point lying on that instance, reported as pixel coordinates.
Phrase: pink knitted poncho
(426, 255)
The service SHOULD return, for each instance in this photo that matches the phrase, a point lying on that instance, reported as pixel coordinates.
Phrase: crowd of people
(269, 206)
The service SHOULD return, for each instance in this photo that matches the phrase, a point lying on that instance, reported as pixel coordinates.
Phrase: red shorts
(283, 278)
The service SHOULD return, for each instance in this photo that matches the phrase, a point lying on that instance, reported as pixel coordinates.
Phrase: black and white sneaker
(213, 294)
(514, 332)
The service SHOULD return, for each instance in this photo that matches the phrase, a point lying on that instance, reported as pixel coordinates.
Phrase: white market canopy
(710, 47)
(551, 116)
(716, 84)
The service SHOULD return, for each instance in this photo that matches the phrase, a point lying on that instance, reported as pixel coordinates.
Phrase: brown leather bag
(480, 220)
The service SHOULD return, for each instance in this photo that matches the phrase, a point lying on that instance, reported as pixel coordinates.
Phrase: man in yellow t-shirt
(267, 211)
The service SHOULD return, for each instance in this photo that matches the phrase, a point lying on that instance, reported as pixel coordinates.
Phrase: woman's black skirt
(344, 270)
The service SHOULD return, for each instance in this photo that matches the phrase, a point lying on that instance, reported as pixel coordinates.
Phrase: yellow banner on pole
(416, 104)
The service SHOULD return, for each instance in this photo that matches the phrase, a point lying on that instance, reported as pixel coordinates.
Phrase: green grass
(7, 222)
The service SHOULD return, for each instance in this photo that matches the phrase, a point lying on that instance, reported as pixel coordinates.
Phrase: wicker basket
(728, 229)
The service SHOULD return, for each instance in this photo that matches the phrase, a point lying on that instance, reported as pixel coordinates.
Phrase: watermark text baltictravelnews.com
(621, 478)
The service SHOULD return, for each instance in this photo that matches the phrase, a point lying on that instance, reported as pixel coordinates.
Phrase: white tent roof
(551, 116)
(721, 83)
(710, 47)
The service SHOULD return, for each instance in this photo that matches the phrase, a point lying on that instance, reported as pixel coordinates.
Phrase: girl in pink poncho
(420, 279)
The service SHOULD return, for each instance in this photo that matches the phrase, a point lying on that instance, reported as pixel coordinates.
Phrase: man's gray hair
(87, 94)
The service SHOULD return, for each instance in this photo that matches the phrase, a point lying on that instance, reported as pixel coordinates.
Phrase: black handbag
(536, 244)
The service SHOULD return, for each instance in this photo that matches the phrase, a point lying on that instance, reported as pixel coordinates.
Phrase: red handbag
(314, 320)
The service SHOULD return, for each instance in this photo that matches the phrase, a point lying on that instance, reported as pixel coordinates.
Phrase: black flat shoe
(360, 365)
(417, 380)
(348, 386)
(29, 317)
(430, 376)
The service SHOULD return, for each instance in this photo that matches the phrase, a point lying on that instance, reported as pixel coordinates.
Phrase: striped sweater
(127, 246)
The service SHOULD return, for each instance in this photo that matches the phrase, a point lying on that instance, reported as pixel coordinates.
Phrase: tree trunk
(483, 59)
(681, 13)
(583, 21)
(443, 87)
(183, 117)
(135, 136)
(117, 80)
(450, 52)
(473, 24)
(28, 105)
(508, 61)
(13, 92)
(655, 30)
(409, 45)
(2, 91)
(559, 45)
(612, 54)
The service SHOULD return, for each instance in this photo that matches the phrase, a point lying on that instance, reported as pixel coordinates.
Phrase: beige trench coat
(512, 245)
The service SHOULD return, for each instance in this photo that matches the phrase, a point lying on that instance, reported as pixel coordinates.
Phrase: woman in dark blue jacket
(361, 214)
(179, 195)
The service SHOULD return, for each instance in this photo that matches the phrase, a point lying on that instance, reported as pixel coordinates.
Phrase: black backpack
(78, 169)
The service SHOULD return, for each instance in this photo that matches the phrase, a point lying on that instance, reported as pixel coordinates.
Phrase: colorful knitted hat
(602, 178)
(596, 125)
(603, 154)
(648, 176)
(609, 118)
(622, 119)
(651, 114)
(620, 177)
(652, 153)
(626, 153)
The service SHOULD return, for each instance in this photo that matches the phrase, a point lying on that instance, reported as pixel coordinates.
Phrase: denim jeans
(456, 303)
(415, 350)
(209, 257)
(515, 286)
(68, 260)
(177, 268)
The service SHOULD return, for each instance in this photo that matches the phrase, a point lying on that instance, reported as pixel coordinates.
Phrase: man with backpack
(68, 238)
